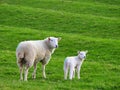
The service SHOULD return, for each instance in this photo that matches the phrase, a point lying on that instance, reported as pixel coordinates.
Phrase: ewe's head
(82, 54)
(53, 42)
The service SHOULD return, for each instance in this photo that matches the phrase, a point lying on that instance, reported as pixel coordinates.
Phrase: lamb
(73, 63)
(29, 53)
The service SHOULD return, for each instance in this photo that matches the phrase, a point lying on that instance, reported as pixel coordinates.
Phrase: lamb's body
(29, 53)
(72, 63)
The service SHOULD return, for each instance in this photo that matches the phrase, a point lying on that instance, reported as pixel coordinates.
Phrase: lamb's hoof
(65, 78)
(44, 77)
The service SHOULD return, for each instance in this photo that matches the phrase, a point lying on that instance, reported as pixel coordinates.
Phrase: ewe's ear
(86, 51)
(78, 52)
(59, 38)
(48, 38)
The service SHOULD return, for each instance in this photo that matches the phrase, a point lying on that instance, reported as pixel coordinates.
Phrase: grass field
(92, 25)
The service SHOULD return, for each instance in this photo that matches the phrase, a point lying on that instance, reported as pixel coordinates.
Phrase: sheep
(29, 53)
(72, 63)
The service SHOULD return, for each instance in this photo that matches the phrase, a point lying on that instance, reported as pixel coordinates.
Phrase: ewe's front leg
(43, 70)
(44, 63)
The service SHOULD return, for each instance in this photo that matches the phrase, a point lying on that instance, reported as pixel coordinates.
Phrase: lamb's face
(53, 41)
(82, 54)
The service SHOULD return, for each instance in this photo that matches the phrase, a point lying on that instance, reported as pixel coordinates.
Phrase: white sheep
(73, 63)
(29, 53)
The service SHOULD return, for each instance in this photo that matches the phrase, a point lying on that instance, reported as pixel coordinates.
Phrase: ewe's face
(82, 54)
(53, 42)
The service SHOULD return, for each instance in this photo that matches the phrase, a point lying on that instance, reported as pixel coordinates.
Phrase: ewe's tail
(20, 58)
(20, 55)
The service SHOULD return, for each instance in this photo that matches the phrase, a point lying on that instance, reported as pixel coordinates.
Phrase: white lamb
(29, 53)
(73, 63)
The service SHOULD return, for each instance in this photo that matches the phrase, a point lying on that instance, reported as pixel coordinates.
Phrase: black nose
(56, 46)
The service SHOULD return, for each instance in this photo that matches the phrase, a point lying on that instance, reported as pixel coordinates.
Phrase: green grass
(92, 25)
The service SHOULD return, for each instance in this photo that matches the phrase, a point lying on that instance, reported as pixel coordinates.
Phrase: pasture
(92, 25)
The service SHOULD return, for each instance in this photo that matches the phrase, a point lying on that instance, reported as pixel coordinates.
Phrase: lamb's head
(82, 54)
(53, 42)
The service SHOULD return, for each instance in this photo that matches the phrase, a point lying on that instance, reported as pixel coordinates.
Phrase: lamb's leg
(43, 70)
(34, 72)
(74, 73)
(65, 72)
(71, 73)
(78, 72)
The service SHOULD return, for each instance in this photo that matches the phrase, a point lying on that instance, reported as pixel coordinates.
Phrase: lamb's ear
(86, 51)
(78, 52)
(59, 38)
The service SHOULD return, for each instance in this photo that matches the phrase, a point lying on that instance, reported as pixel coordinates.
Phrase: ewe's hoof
(25, 80)
(33, 77)
(21, 79)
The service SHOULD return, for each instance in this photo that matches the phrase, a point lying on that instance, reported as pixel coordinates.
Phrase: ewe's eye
(81, 54)
(51, 40)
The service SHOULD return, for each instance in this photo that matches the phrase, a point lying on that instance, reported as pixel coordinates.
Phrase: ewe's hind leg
(20, 65)
(21, 72)
(27, 66)
(26, 73)
(34, 72)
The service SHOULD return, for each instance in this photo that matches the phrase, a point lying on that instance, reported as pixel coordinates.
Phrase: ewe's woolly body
(34, 50)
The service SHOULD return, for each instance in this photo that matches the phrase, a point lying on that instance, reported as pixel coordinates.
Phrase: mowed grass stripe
(50, 20)
(82, 7)
(93, 45)
(6, 29)
(110, 2)
(23, 8)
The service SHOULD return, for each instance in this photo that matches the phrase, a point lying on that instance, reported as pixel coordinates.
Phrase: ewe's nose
(56, 46)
